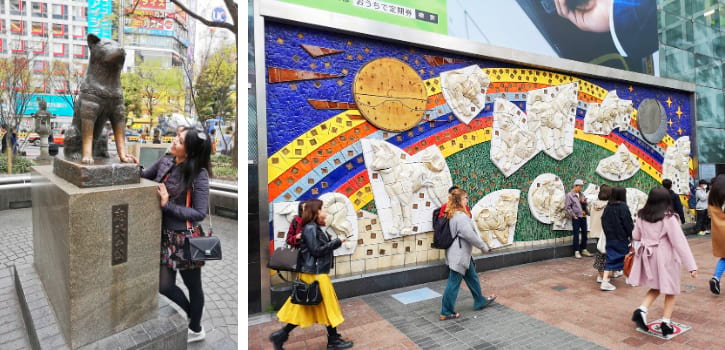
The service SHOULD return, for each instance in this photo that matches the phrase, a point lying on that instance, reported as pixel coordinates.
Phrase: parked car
(33, 138)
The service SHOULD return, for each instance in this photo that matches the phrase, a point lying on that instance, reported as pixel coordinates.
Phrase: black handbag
(201, 247)
(284, 259)
(306, 294)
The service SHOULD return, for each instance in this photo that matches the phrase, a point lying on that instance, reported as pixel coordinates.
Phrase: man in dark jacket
(676, 203)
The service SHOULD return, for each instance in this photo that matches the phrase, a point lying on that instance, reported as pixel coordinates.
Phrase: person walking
(314, 261)
(595, 219)
(676, 203)
(661, 251)
(716, 207)
(617, 225)
(575, 203)
(701, 226)
(458, 256)
(184, 193)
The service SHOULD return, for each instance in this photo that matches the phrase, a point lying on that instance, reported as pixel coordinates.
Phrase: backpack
(295, 227)
(442, 238)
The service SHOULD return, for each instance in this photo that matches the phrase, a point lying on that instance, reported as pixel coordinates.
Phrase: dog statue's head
(105, 52)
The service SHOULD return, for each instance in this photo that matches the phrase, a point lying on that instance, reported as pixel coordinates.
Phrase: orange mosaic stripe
(317, 157)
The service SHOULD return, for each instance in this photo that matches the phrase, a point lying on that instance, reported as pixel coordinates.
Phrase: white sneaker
(617, 274)
(606, 285)
(586, 253)
(194, 336)
(599, 279)
(577, 255)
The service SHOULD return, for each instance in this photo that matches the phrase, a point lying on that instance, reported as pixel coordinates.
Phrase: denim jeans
(719, 268)
(454, 283)
(579, 226)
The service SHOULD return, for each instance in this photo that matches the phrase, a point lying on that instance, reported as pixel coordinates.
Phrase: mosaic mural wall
(388, 128)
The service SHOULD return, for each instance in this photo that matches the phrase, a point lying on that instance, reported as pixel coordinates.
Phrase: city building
(52, 34)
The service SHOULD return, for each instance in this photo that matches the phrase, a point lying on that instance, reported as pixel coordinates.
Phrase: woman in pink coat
(659, 256)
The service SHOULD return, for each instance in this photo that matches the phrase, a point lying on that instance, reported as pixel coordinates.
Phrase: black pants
(192, 306)
(579, 228)
(703, 222)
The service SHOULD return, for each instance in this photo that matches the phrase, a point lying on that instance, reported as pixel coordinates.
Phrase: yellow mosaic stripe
(523, 75)
(302, 146)
(362, 196)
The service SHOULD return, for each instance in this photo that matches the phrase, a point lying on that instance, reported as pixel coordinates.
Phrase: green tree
(152, 90)
(214, 89)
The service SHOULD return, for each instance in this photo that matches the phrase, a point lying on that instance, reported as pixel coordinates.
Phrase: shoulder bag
(200, 247)
(306, 294)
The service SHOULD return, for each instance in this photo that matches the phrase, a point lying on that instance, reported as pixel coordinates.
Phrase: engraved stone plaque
(652, 120)
(119, 234)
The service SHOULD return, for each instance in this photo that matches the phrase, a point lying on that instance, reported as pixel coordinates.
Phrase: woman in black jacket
(182, 177)
(617, 225)
(314, 261)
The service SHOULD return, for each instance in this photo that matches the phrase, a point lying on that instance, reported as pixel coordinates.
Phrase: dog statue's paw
(87, 160)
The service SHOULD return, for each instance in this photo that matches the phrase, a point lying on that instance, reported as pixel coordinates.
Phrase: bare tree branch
(208, 23)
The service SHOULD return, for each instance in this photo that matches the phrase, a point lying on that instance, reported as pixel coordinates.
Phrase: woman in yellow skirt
(314, 263)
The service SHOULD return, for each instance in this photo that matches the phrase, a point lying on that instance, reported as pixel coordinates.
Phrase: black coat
(677, 206)
(617, 222)
(316, 250)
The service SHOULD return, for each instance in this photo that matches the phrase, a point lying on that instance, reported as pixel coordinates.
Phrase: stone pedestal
(103, 173)
(96, 251)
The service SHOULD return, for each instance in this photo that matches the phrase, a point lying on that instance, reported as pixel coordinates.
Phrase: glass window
(17, 27)
(79, 32)
(60, 31)
(39, 9)
(80, 13)
(38, 66)
(2, 7)
(705, 36)
(2, 26)
(710, 104)
(60, 50)
(676, 63)
(708, 71)
(17, 46)
(79, 51)
(60, 11)
(17, 7)
(37, 46)
(676, 31)
(39, 29)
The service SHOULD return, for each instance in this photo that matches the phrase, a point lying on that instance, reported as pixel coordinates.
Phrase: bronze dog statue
(100, 100)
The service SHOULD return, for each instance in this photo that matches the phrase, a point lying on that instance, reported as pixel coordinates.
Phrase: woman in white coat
(458, 256)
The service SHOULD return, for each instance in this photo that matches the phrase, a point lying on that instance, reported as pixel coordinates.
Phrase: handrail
(19, 181)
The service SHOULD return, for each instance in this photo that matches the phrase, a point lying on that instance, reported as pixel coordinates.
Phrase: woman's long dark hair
(605, 191)
(310, 211)
(618, 194)
(198, 155)
(717, 192)
(659, 205)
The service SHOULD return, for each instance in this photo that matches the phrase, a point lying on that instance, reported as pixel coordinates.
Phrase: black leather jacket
(316, 250)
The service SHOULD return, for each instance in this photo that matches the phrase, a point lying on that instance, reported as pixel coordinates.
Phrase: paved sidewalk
(554, 304)
(219, 277)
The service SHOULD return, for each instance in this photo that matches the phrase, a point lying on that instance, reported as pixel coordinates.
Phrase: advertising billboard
(428, 15)
(57, 105)
(620, 34)
(98, 22)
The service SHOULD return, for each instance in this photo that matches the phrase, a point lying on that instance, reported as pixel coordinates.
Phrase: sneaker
(599, 279)
(577, 255)
(195, 336)
(715, 286)
(617, 274)
(701, 233)
(586, 253)
(640, 319)
(607, 286)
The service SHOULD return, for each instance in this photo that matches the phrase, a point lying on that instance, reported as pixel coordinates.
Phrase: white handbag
(602, 244)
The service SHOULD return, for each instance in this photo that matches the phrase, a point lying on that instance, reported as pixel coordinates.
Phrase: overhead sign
(219, 15)
(98, 22)
(428, 15)
(58, 105)
(152, 4)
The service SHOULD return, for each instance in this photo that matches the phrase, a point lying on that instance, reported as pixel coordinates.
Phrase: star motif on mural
(670, 122)
(679, 131)
(679, 112)
(669, 102)
(630, 88)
